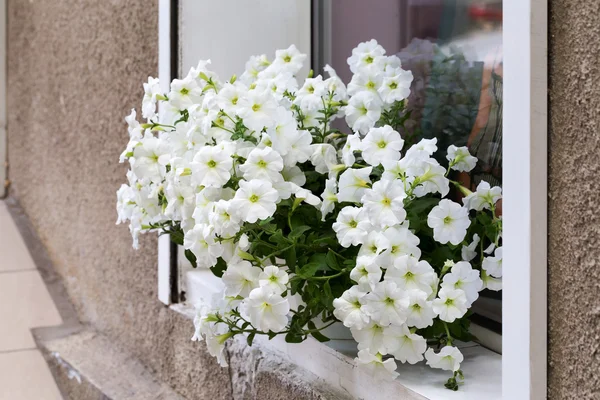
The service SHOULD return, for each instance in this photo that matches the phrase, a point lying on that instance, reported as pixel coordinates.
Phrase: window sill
(482, 368)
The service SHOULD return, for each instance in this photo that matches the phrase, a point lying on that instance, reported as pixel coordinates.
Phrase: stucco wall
(75, 70)
(574, 219)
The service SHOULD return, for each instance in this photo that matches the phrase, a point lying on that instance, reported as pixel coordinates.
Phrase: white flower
(350, 308)
(150, 157)
(267, 310)
(384, 203)
(450, 304)
(493, 265)
(329, 197)
(284, 131)
(263, 164)
(323, 157)
(420, 310)
(449, 222)
(353, 183)
(306, 195)
(409, 273)
(370, 337)
(185, 93)
(449, 358)
(290, 59)
(151, 90)
(353, 144)
(274, 278)
(240, 278)
(255, 200)
(368, 79)
(397, 87)
(254, 66)
(387, 304)
(211, 166)
(484, 197)
(364, 55)
(363, 111)
(402, 242)
(299, 150)
(258, 110)
(351, 226)
(381, 144)
(201, 241)
(425, 146)
(463, 277)
(374, 245)
(460, 158)
(432, 179)
(491, 283)
(469, 252)
(223, 219)
(377, 368)
(229, 96)
(366, 273)
(403, 345)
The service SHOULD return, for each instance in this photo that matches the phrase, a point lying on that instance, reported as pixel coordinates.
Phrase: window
(470, 34)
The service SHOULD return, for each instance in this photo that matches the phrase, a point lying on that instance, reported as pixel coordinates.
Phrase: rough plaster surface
(75, 70)
(574, 220)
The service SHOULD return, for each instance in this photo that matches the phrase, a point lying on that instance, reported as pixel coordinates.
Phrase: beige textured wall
(574, 217)
(75, 70)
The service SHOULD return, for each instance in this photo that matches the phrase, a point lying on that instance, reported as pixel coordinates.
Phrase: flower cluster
(308, 224)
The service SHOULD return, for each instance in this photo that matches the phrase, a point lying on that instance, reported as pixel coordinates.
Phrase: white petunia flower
(353, 184)
(258, 110)
(352, 145)
(425, 146)
(402, 242)
(151, 90)
(225, 222)
(460, 158)
(450, 304)
(267, 310)
(491, 283)
(448, 359)
(381, 144)
(241, 278)
(449, 222)
(409, 274)
(397, 87)
(290, 59)
(420, 310)
(351, 226)
(493, 265)
(329, 197)
(384, 203)
(366, 273)
(274, 278)
(370, 337)
(483, 197)
(150, 157)
(323, 157)
(255, 200)
(465, 278)
(185, 93)
(363, 111)
(375, 365)
(299, 149)
(387, 304)
(368, 79)
(470, 251)
(405, 346)
(364, 55)
(374, 245)
(305, 195)
(201, 241)
(211, 166)
(350, 308)
(431, 179)
(263, 164)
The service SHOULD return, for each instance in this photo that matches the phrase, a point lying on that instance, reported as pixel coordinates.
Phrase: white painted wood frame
(524, 170)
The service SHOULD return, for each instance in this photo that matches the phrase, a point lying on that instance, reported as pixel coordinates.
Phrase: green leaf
(219, 267)
(294, 337)
(290, 258)
(316, 334)
(250, 338)
(309, 270)
(332, 261)
(191, 257)
(298, 231)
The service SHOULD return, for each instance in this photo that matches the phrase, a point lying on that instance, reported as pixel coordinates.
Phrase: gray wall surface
(574, 186)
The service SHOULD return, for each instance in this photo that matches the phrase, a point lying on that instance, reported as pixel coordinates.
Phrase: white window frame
(524, 335)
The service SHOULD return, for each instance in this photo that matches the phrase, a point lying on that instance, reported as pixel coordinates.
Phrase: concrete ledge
(88, 365)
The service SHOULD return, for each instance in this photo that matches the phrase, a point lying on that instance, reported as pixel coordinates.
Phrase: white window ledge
(482, 368)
